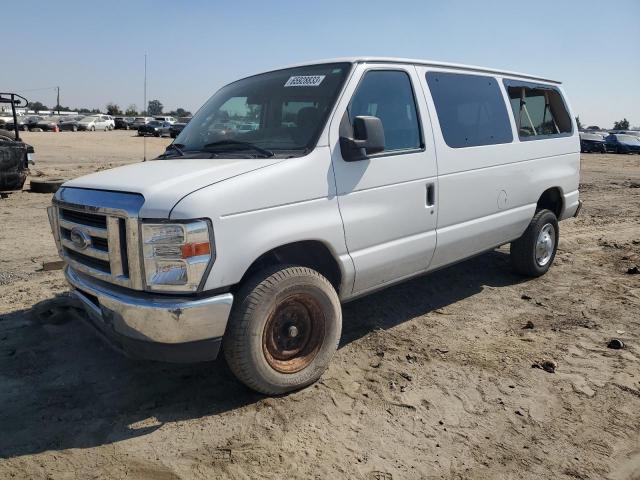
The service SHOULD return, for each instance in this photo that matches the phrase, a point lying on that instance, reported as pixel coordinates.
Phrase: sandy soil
(433, 378)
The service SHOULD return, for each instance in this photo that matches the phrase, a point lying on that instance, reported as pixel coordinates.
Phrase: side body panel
(487, 194)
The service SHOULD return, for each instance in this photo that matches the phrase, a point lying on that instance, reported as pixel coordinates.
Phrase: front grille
(83, 218)
(97, 233)
(92, 262)
(101, 244)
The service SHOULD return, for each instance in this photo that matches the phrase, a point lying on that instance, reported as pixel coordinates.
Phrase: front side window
(388, 95)
(538, 110)
(282, 111)
(470, 108)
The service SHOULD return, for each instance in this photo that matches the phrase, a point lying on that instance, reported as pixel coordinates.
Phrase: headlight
(176, 255)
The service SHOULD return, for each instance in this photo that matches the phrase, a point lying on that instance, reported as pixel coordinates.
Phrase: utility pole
(144, 106)
(58, 101)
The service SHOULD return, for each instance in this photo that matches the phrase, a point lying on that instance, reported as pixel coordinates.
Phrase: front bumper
(154, 327)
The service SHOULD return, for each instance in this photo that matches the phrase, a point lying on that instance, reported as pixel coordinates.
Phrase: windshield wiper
(240, 146)
(167, 153)
(174, 146)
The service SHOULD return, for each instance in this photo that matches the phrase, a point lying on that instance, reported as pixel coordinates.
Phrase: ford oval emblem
(80, 238)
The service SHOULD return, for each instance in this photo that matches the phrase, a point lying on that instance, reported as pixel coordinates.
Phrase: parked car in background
(15, 155)
(4, 119)
(93, 123)
(48, 124)
(165, 131)
(635, 133)
(592, 142)
(139, 121)
(620, 143)
(165, 119)
(246, 127)
(154, 127)
(25, 122)
(110, 121)
(70, 124)
(124, 123)
(176, 128)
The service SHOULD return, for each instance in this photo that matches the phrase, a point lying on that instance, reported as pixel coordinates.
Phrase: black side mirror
(368, 139)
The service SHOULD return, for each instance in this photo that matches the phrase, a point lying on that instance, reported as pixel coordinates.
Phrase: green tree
(180, 112)
(113, 109)
(38, 106)
(579, 123)
(131, 111)
(621, 125)
(155, 107)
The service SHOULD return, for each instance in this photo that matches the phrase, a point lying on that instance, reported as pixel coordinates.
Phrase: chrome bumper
(158, 327)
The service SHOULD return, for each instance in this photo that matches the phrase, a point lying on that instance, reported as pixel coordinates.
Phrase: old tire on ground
(46, 184)
(533, 253)
(284, 329)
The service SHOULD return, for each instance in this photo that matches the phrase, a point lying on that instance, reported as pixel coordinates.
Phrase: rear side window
(387, 94)
(539, 110)
(470, 108)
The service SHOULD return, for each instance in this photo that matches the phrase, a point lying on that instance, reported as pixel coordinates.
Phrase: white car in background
(139, 121)
(94, 122)
(110, 121)
(169, 119)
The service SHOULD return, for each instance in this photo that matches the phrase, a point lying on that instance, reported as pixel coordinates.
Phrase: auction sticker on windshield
(304, 81)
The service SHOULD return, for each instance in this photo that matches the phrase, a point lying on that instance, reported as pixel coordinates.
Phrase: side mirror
(368, 139)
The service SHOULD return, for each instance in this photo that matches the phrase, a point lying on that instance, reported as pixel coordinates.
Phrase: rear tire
(284, 329)
(533, 253)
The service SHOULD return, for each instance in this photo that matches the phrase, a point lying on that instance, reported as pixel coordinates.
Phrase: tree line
(619, 125)
(154, 107)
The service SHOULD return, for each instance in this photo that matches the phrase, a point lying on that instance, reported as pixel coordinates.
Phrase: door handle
(431, 195)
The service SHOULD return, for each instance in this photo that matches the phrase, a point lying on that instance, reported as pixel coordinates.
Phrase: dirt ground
(433, 378)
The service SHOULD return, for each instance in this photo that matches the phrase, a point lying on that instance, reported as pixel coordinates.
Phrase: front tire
(533, 253)
(284, 329)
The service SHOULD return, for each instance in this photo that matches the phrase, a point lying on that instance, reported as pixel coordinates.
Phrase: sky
(95, 50)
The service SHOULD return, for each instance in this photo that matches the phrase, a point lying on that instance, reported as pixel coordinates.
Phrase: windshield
(282, 110)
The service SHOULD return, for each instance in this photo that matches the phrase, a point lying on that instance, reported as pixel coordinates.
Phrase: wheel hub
(545, 244)
(293, 333)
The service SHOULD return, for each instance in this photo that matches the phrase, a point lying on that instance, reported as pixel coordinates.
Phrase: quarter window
(470, 108)
(539, 111)
(387, 94)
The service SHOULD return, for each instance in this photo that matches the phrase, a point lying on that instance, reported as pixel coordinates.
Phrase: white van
(163, 119)
(359, 173)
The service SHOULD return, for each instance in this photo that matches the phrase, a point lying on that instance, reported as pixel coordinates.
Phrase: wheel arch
(551, 199)
(313, 254)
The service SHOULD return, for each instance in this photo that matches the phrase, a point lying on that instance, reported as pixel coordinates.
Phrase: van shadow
(61, 387)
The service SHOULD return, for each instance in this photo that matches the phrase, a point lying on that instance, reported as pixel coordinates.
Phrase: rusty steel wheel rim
(293, 334)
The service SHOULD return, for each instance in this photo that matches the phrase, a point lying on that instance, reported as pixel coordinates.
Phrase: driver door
(388, 200)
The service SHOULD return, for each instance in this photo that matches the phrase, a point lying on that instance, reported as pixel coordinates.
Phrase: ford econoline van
(356, 174)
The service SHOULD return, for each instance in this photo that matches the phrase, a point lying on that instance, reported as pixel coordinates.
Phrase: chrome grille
(101, 241)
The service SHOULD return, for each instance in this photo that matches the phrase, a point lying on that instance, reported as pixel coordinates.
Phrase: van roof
(430, 63)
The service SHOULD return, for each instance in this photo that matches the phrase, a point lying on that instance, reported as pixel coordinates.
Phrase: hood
(164, 182)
